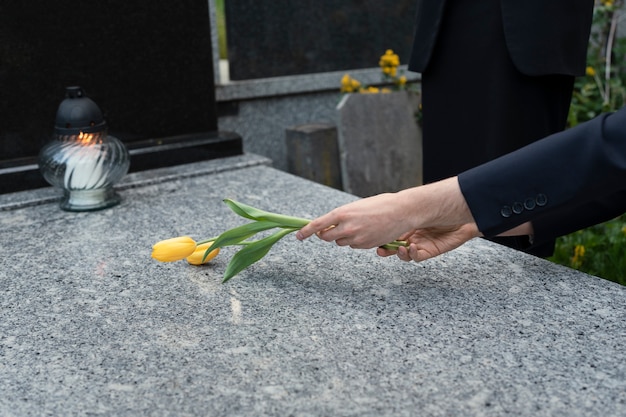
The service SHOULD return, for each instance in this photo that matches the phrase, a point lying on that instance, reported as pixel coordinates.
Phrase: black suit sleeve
(577, 217)
(554, 182)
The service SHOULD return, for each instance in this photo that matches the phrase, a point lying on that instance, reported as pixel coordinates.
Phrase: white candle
(84, 165)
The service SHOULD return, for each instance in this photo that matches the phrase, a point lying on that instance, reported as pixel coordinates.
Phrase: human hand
(362, 224)
(432, 241)
(375, 221)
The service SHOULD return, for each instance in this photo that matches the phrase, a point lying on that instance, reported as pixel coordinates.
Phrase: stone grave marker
(379, 142)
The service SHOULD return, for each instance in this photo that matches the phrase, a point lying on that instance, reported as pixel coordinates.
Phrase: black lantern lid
(78, 113)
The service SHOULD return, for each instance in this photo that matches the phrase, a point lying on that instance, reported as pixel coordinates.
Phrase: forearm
(439, 204)
(377, 220)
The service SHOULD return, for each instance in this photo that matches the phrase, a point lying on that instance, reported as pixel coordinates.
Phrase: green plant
(221, 28)
(599, 250)
(603, 88)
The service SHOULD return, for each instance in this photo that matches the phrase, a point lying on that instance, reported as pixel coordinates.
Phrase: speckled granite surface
(91, 325)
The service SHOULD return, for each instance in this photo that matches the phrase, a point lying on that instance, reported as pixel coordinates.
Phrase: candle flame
(85, 138)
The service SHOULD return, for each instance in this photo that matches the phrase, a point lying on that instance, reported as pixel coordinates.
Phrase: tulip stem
(395, 245)
(211, 239)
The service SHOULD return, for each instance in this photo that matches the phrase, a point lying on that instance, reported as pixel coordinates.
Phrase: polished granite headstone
(147, 64)
(268, 39)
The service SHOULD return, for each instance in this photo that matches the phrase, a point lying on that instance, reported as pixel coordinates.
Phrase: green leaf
(253, 213)
(252, 253)
(238, 234)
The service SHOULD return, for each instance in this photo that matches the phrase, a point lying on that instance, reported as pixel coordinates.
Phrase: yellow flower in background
(346, 82)
(579, 254)
(349, 84)
(590, 71)
(196, 257)
(371, 90)
(173, 249)
(607, 3)
(389, 59)
(579, 251)
(389, 63)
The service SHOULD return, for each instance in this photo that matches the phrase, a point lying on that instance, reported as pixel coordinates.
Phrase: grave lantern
(82, 158)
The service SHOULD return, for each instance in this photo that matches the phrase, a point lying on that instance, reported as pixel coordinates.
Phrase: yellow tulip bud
(196, 257)
(173, 249)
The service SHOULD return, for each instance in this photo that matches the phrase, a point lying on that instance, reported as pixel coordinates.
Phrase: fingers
(385, 252)
(402, 253)
(316, 226)
(412, 253)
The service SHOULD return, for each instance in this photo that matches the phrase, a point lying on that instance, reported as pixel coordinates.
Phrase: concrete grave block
(313, 153)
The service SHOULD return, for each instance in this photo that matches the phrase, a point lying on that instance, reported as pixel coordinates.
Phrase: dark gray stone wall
(268, 38)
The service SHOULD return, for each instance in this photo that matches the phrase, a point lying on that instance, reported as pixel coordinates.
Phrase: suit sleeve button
(518, 208)
(541, 200)
(506, 211)
(529, 204)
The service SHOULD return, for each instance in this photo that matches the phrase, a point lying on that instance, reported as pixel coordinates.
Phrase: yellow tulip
(173, 249)
(196, 257)
(590, 71)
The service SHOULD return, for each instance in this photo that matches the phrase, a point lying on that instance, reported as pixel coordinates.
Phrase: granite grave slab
(90, 325)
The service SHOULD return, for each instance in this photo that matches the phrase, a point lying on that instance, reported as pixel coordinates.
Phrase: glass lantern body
(85, 166)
